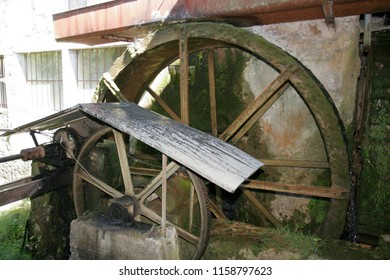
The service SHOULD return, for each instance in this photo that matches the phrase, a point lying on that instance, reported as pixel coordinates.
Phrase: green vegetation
(12, 229)
(229, 65)
(235, 240)
(374, 196)
(318, 207)
(375, 193)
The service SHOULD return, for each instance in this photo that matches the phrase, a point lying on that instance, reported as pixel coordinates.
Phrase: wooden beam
(162, 103)
(124, 163)
(252, 198)
(306, 190)
(295, 163)
(145, 171)
(258, 103)
(259, 113)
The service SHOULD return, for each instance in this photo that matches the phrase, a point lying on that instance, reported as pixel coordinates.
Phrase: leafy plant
(12, 229)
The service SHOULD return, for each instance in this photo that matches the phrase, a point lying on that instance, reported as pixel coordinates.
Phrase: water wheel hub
(122, 209)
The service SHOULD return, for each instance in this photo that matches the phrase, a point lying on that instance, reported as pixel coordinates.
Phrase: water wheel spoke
(153, 216)
(162, 103)
(213, 99)
(296, 163)
(99, 184)
(306, 190)
(184, 77)
(252, 198)
(263, 97)
(124, 163)
(145, 171)
(217, 212)
(172, 167)
(258, 114)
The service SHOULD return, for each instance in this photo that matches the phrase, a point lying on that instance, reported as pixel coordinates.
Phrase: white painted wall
(27, 26)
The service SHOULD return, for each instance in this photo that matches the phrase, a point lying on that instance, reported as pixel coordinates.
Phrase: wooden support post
(124, 164)
(164, 196)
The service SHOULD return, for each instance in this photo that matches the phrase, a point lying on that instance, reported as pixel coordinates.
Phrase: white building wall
(26, 26)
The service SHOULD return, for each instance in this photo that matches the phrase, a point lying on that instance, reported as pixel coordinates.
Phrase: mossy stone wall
(374, 191)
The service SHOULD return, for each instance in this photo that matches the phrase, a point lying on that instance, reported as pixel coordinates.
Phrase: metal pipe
(9, 158)
(367, 33)
(26, 154)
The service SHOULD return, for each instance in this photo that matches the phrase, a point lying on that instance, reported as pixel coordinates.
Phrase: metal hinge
(327, 7)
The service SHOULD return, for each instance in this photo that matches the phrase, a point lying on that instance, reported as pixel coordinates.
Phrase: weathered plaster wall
(10, 171)
(330, 53)
(25, 26)
(288, 129)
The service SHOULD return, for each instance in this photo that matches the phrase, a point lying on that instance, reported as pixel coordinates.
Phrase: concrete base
(99, 239)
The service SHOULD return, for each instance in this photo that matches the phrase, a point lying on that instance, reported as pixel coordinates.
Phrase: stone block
(384, 244)
(100, 239)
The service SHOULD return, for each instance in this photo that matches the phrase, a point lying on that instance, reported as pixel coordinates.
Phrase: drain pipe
(367, 33)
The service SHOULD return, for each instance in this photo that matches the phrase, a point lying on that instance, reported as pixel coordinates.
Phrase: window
(92, 63)
(44, 77)
(3, 95)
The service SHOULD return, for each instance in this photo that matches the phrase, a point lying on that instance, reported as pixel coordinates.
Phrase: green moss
(319, 207)
(229, 65)
(374, 196)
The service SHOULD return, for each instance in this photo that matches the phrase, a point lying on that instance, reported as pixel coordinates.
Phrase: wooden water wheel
(131, 77)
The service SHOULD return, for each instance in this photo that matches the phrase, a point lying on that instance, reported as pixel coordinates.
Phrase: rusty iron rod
(26, 154)
(10, 158)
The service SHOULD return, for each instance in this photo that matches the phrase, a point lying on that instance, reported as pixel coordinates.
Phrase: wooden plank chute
(211, 158)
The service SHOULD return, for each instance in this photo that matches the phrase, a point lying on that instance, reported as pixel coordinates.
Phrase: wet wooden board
(217, 161)
(211, 158)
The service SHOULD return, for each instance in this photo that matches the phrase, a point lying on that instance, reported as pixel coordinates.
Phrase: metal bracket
(327, 7)
(32, 133)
